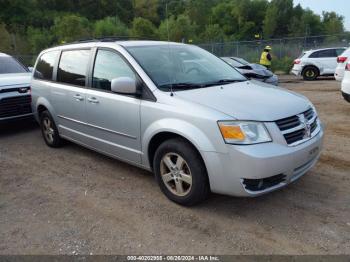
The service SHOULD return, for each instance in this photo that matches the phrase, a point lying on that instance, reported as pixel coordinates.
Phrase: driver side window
(109, 65)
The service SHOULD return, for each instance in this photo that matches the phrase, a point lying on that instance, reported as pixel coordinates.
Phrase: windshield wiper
(223, 82)
(181, 86)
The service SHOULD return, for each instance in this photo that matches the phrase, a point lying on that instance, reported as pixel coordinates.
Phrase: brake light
(341, 59)
(297, 61)
(347, 68)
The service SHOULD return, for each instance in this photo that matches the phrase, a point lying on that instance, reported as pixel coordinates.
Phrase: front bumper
(228, 171)
(15, 106)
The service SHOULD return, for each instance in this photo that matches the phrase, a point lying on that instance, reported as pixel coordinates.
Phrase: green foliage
(5, 43)
(38, 39)
(143, 28)
(179, 29)
(36, 24)
(284, 64)
(213, 33)
(71, 27)
(333, 23)
(147, 9)
(110, 26)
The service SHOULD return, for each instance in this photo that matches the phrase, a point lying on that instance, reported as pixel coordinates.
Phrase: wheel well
(41, 109)
(311, 66)
(158, 139)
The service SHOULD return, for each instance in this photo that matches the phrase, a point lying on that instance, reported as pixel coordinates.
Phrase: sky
(341, 7)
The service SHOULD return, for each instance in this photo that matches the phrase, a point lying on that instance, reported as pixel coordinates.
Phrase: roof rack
(107, 39)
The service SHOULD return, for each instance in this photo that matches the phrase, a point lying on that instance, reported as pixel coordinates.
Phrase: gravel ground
(75, 201)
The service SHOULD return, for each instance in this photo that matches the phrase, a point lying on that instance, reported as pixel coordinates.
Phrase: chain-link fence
(284, 47)
(27, 60)
(251, 50)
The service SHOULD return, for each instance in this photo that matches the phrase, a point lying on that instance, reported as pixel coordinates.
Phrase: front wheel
(180, 172)
(49, 130)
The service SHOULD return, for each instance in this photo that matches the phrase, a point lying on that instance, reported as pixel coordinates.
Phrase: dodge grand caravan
(178, 111)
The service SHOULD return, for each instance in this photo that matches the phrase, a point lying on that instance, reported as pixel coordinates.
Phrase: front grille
(264, 183)
(14, 106)
(299, 127)
(22, 90)
(288, 123)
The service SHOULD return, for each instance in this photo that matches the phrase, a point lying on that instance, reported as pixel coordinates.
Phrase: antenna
(167, 27)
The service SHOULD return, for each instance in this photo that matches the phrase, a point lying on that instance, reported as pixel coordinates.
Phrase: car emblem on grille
(307, 128)
(22, 90)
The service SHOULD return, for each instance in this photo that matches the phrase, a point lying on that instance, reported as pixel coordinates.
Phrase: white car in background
(345, 85)
(314, 63)
(342, 60)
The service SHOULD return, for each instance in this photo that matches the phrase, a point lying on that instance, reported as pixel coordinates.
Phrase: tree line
(28, 26)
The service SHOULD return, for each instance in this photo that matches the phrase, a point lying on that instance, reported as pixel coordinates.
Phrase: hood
(249, 100)
(10, 80)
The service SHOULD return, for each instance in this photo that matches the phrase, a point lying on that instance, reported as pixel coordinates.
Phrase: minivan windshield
(9, 65)
(182, 67)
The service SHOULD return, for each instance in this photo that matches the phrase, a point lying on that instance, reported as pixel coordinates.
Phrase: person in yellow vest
(266, 58)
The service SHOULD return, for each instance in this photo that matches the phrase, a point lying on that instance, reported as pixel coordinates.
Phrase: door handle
(78, 97)
(93, 100)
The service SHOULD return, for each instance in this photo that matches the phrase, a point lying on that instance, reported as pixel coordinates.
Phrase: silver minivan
(179, 111)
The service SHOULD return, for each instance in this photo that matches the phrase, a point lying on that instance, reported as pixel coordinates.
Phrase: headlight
(244, 132)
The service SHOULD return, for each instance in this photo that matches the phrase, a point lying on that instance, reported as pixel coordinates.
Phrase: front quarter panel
(195, 123)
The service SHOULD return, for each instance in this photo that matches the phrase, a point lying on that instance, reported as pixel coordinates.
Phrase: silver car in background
(178, 111)
(15, 99)
(252, 71)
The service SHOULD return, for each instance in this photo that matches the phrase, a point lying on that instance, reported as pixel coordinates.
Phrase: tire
(310, 73)
(49, 130)
(187, 183)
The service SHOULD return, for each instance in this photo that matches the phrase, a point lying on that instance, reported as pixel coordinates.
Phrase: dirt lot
(74, 201)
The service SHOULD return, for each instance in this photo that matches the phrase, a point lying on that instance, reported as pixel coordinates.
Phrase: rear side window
(73, 67)
(340, 51)
(324, 54)
(45, 65)
(109, 65)
(9, 65)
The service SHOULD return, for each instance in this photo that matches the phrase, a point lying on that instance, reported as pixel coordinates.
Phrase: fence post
(280, 48)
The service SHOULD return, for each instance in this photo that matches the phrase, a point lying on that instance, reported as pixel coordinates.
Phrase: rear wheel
(49, 130)
(180, 172)
(310, 73)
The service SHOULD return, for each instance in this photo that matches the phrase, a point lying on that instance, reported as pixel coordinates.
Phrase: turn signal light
(232, 132)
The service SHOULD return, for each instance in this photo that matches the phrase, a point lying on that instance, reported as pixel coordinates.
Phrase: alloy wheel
(176, 174)
(48, 130)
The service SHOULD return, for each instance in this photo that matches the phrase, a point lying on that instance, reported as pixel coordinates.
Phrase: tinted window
(324, 53)
(340, 51)
(9, 65)
(109, 65)
(73, 66)
(44, 68)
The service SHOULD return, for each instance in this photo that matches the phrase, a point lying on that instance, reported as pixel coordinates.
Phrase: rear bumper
(346, 96)
(228, 173)
(296, 70)
(339, 74)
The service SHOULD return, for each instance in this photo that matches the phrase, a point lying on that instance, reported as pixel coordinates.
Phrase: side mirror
(124, 85)
(30, 69)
